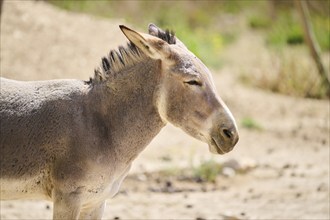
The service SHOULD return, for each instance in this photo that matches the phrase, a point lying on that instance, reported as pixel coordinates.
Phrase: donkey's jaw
(215, 148)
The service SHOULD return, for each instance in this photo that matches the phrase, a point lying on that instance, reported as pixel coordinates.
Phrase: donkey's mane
(124, 57)
(167, 36)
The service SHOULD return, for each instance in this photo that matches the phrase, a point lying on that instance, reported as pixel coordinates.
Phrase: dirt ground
(288, 158)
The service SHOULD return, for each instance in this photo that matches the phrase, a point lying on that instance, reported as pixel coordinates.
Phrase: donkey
(73, 141)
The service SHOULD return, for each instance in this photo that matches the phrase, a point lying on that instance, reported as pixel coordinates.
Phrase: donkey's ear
(154, 30)
(142, 41)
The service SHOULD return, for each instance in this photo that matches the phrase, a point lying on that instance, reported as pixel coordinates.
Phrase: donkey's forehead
(186, 62)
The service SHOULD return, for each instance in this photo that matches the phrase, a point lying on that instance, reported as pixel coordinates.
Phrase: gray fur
(73, 142)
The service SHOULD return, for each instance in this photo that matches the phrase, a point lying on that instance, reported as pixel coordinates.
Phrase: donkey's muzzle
(230, 137)
(224, 139)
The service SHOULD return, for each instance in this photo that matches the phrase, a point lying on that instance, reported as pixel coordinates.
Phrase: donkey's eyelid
(194, 83)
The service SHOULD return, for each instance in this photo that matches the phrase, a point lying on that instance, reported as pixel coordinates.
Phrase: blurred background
(207, 27)
(272, 77)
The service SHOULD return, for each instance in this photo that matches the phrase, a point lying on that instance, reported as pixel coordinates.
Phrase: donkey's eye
(194, 83)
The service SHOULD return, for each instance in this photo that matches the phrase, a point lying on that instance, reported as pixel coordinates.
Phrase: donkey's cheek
(200, 115)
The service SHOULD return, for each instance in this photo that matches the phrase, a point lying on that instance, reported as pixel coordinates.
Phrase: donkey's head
(187, 96)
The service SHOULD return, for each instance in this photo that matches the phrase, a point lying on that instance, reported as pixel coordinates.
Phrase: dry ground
(290, 153)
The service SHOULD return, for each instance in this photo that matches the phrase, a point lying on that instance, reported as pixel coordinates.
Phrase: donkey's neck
(127, 108)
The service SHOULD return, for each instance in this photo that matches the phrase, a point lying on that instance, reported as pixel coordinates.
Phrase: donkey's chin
(215, 148)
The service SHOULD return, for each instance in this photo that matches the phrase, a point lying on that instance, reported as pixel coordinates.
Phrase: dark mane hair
(124, 56)
(167, 36)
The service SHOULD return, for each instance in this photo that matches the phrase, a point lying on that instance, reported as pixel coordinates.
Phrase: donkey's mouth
(215, 147)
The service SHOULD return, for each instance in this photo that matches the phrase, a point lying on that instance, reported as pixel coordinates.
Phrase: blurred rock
(322, 187)
(228, 172)
(242, 166)
(142, 177)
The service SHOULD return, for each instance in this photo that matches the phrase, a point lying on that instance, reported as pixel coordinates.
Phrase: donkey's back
(35, 123)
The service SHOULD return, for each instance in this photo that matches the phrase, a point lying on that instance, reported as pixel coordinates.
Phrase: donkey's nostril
(227, 133)
(229, 138)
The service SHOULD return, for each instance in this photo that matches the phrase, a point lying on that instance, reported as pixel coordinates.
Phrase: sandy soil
(289, 156)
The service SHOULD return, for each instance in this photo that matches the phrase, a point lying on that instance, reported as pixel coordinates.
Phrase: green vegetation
(292, 71)
(195, 23)
(322, 31)
(259, 22)
(207, 171)
(250, 123)
(287, 30)
(284, 27)
(207, 27)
